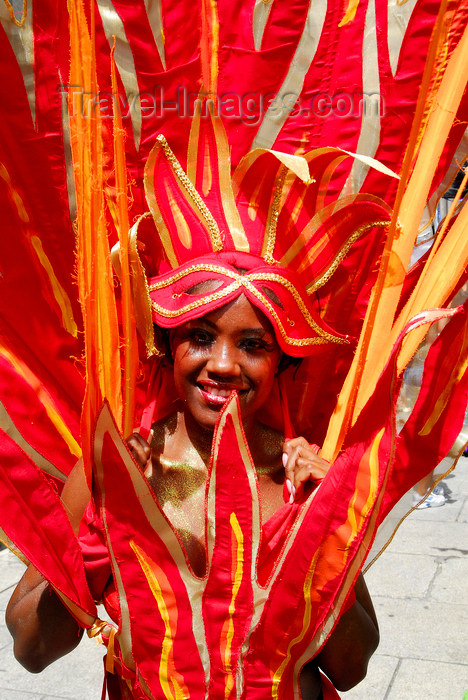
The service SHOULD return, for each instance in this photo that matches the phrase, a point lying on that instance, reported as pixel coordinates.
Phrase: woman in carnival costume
(231, 316)
(234, 595)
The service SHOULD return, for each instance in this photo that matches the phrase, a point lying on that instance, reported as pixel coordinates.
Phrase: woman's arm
(345, 656)
(41, 626)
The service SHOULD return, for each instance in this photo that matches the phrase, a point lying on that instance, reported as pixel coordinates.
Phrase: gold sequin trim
(246, 281)
(330, 271)
(169, 313)
(211, 225)
(198, 267)
(272, 277)
(270, 233)
(322, 338)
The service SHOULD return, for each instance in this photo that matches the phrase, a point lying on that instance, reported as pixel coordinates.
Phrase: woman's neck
(264, 442)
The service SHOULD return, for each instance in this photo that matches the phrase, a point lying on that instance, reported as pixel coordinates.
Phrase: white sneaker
(434, 500)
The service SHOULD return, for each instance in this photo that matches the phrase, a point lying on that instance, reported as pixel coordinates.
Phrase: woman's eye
(253, 344)
(200, 337)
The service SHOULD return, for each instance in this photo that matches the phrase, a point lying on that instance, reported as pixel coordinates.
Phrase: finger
(294, 447)
(293, 443)
(301, 464)
(289, 463)
(307, 471)
(291, 490)
(140, 449)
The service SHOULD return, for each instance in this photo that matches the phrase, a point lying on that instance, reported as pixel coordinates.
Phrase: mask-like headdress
(268, 232)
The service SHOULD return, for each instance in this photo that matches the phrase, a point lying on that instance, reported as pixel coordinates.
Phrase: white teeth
(217, 391)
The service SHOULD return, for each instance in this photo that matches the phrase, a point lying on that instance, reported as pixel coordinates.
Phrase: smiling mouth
(217, 394)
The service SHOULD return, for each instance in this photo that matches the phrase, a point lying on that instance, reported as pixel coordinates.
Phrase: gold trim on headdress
(340, 256)
(202, 212)
(192, 198)
(245, 281)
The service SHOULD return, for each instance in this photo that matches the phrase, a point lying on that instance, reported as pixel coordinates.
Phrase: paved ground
(419, 587)
(420, 591)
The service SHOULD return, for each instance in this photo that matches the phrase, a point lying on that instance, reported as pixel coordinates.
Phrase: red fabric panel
(34, 519)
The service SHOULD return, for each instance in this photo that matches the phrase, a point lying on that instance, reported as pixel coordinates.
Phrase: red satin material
(35, 520)
(444, 391)
(177, 296)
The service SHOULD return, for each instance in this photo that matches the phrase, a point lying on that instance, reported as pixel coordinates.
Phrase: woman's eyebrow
(197, 322)
(256, 331)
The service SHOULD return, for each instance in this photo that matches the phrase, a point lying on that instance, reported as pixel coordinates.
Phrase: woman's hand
(140, 449)
(302, 463)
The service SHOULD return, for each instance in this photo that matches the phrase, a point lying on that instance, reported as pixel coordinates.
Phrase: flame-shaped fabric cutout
(234, 528)
(285, 233)
(209, 168)
(177, 208)
(150, 532)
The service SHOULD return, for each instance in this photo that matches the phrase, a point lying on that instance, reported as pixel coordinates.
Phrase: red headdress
(265, 233)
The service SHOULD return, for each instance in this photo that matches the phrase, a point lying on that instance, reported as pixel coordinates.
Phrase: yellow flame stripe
(374, 472)
(183, 229)
(59, 293)
(352, 521)
(350, 13)
(236, 583)
(373, 483)
(278, 674)
(45, 399)
(207, 182)
(166, 674)
(61, 297)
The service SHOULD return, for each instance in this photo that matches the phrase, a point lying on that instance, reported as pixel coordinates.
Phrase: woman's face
(232, 348)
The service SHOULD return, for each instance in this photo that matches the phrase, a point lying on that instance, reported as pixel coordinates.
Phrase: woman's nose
(223, 359)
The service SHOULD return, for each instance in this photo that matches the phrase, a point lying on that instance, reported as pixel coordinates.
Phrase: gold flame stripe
(237, 580)
(60, 295)
(340, 256)
(277, 676)
(186, 183)
(45, 399)
(273, 214)
(165, 674)
(373, 484)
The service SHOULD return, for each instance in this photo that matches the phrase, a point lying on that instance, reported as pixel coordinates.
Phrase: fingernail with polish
(291, 491)
(285, 460)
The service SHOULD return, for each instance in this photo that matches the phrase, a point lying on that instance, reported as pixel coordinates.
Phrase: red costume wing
(34, 519)
(39, 313)
(329, 541)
